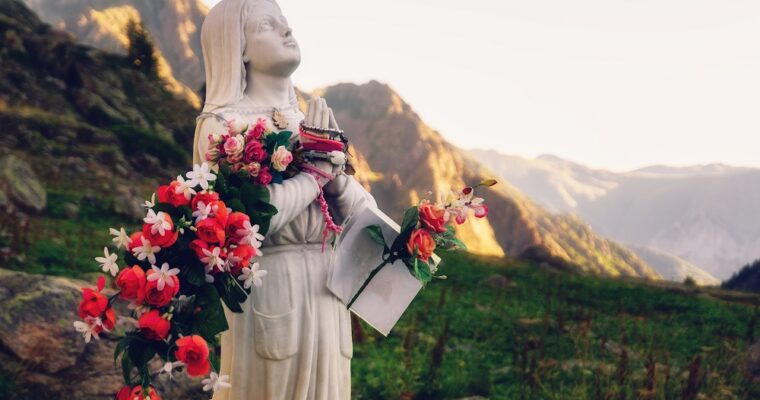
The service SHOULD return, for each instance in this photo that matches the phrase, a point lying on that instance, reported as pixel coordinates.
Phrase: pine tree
(141, 51)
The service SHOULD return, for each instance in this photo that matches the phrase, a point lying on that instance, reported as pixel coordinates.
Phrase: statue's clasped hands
(321, 138)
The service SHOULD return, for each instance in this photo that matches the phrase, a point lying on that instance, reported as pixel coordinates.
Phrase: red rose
(137, 393)
(156, 239)
(108, 320)
(124, 393)
(206, 197)
(245, 252)
(236, 221)
(265, 177)
(153, 326)
(432, 217)
(93, 302)
(423, 242)
(254, 151)
(210, 231)
(168, 194)
(131, 282)
(221, 212)
(134, 241)
(160, 298)
(197, 246)
(193, 351)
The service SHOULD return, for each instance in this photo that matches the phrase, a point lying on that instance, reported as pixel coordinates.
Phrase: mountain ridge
(703, 214)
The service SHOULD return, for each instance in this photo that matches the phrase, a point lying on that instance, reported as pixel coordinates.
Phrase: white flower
(170, 366)
(181, 301)
(108, 263)
(203, 211)
(163, 275)
(250, 234)
(231, 261)
(158, 222)
(87, 328)
(150, 203)
(252, 276)
(138, 308)
(121, 239)
(213, 259)
(200, 175)
(184, 187)
(146, 251)
(215, 382)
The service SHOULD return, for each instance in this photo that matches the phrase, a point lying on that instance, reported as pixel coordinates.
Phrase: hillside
(746, 279)
(706, 215)
(174, 25)
(500, 329)
(671, 267)
(80, 128)
(413, 158)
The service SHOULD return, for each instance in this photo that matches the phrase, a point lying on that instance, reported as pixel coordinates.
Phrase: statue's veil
(222, 42)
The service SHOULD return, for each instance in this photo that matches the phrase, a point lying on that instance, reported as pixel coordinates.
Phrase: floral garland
(198, 245)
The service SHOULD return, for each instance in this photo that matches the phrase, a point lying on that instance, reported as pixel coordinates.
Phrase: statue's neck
(266, 90)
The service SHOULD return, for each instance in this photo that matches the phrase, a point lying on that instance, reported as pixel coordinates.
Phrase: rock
(71, 210)
(45, 357)
(497, 281)
(127, 202)
(21, 184)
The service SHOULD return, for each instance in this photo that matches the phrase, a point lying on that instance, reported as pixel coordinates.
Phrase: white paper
(390, 292)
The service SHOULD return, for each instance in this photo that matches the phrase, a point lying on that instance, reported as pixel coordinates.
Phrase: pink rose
(253, 169)
(233, 146)
(254, 151)
(264, 176)
(281, 158)
(257, 130)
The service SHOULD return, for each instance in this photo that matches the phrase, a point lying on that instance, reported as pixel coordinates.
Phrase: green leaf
(126, 369)
(253, 193)
(211, 320)
(236, 205)
(422, 271)
(376, 234)
(411, 217)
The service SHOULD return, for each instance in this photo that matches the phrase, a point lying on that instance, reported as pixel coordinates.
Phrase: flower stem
(364, 285)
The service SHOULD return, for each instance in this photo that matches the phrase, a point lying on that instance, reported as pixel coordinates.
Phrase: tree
(141, 51)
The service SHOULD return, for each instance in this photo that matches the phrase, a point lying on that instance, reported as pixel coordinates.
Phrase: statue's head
(242, 36)
(270, 47)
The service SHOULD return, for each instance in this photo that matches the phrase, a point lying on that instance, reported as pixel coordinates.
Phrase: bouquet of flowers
(197, 247)
(425, 228)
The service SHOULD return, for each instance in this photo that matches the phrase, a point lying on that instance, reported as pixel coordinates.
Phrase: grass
(552, 335)
(531, 333)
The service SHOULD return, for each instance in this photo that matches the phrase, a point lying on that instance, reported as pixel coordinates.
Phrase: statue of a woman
(293, 340)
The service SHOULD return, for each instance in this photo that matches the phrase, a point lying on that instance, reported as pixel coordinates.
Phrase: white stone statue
(293, 340)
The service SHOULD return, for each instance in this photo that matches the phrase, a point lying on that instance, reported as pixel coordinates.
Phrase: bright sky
(616, 84)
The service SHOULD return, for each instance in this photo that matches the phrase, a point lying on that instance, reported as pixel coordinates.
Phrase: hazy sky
(610, 83)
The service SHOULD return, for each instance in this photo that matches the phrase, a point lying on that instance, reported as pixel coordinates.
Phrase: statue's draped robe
(293, 340)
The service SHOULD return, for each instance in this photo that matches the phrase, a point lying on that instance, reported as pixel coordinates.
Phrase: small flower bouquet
(263, 154)
(425, 228)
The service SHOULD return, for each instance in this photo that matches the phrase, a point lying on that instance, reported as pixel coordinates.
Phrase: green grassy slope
(557, 335)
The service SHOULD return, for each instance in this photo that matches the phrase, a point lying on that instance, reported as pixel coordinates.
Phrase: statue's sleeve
(291, 197)
(351, 197)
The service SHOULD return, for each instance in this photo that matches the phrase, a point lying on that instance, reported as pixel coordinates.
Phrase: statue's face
(269, 43)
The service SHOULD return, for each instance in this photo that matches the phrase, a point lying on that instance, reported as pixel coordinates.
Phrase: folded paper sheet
(391, 291)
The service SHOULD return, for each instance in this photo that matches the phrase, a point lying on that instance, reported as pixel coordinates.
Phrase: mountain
(174, 26)
(706, 215)
(68, 110)
(746, 279)
(671, 267)
(408, 159)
